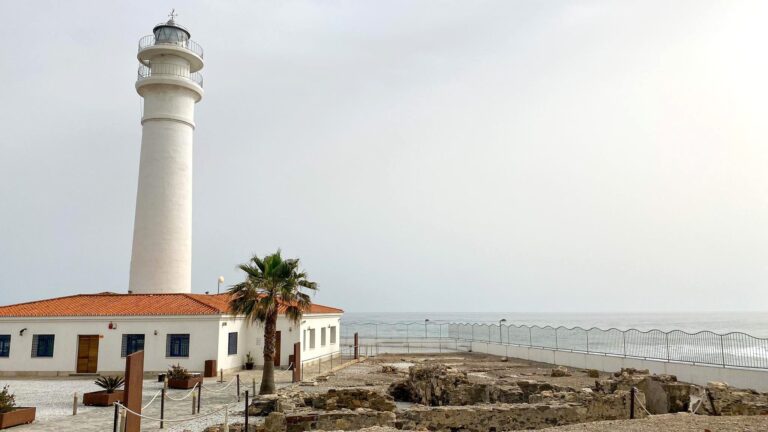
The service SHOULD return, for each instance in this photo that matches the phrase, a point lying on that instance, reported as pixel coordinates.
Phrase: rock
(263, 405)
(593, 373)
(336, 399)
(560, 371)
(388, 369)
(275, 422)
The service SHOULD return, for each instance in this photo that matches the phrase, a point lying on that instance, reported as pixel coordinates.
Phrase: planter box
(184, 384)
(249, 366)
(19, 416)
(102, 398)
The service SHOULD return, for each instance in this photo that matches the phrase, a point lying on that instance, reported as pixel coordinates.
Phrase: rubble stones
(560, 371)
(593, 373)
(336, 399)
(730, 401)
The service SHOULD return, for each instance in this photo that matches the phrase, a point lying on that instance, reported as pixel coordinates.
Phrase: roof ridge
(190, 296)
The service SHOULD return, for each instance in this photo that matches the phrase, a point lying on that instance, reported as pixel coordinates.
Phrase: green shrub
(7, 400)
(178, 371)
(110, 383)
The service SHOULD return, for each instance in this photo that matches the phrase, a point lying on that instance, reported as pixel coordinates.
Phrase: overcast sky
(416, 155)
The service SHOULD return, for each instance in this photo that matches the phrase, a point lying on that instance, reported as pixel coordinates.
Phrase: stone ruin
(445, 399)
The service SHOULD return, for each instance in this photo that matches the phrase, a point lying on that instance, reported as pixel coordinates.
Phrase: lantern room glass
(171, 35)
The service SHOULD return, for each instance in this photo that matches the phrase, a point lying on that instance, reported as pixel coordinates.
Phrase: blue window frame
(131, 344)
(42, 345)
(232, 346)
(177, 345)
(5, 345)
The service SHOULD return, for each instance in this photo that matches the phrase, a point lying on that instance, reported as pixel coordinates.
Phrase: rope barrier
(637, 399)
(176, 420)
(188, 394)
(151, 400)
(223, 388)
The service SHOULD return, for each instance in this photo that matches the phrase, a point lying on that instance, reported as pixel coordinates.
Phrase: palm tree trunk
(268, 374)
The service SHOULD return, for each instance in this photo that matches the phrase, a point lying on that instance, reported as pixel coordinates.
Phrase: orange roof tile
(112, 304)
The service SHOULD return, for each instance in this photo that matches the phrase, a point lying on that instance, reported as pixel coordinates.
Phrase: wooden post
(632, 403)
(226, 417)
(222, 375)
(253, 384)
(296, 362)
(357, 348)
(74, 405)
(238, 387)
(134, 381)
(199, 395)
(246, 409)
(194, 402)
(162, 407)
(123, 418)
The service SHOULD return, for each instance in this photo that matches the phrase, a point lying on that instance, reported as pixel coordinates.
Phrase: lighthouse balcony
(151, 47)
(168, 70)
(188, 44)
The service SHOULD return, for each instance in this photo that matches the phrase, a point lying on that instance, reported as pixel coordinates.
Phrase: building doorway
(87, 353)
(277, 348)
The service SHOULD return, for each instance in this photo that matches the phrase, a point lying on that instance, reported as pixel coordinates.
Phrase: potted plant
(180, 378)
(249, 361)
(12, 415)
(109, 395)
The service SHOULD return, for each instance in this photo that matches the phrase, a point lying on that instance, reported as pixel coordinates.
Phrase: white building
(92, 333)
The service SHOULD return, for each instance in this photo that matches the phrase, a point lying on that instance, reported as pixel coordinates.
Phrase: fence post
(194, 402)
(226, 417)
(556, 347)
(587, 332)
(357, 348)
(253, 385)
(666, 340)
(162, 407)
(624, 341)
(117, 414)
(632, 403)
(74, 405)
(199, 395)
(530, 337)
(221, 372)
(246, 410)
(407, 341)
(238, 386)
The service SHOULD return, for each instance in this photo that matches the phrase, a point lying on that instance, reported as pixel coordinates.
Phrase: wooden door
(277, 348)
(87, 353)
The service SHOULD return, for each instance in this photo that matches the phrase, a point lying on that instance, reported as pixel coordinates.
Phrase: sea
(752, 323)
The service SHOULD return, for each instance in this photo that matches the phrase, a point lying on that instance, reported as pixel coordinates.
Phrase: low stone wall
(329, 420)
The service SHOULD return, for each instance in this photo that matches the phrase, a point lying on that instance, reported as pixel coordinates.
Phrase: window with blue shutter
(177, 345)
(232, 346)
(5, 345)
(131, 344)
(42, 345)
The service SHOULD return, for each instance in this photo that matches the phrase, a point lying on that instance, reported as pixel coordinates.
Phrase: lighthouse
(170, 84)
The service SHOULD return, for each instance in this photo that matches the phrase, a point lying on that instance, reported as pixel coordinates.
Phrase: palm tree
(271, 285)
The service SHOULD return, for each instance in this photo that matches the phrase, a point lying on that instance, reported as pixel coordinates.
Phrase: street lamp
(221, 281)
(503, 320)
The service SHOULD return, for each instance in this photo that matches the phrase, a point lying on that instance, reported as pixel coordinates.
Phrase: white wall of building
(209, 339)
(318, 323)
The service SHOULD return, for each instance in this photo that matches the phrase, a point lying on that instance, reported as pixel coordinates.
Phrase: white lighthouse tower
(169, 82)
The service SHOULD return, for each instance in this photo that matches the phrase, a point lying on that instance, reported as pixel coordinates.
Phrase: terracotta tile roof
(112, 304)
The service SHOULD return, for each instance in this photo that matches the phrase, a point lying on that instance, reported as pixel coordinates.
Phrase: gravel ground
(673, 422)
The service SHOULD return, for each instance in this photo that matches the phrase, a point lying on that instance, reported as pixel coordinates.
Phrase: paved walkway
(98, 419)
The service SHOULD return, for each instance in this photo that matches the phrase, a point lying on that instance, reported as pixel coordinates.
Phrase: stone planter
(184, 383)
(102, 398)
(19, 416)
(249, 366)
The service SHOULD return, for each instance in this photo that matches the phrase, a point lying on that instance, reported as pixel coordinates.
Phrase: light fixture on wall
(112, 326)
(155, 332)
(21, 333)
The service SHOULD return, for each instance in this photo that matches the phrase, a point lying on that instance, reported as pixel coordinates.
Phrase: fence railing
(733, 349)
(160, 69)
(149, 40)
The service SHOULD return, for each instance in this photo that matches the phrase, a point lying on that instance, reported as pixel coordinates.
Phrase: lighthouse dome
(171, 33)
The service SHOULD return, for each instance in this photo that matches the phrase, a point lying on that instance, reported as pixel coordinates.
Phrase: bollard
(74, 405)
(226, 419)
(222, 375)
(122, 419)
(246, 410)
(237, 377)
(199, 395)
(194, 403)
(162, 408)
(117, 414)
(632, 403)
(254, 385)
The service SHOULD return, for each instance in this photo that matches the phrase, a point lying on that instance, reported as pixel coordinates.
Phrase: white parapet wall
(693, 373)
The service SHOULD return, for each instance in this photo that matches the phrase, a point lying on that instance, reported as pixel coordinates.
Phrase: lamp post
(503, 320)
(221, 281)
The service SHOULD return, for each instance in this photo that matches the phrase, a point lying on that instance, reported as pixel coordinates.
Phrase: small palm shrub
(7, 400)
(110, 383)
(249, 358)
(178, 371)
